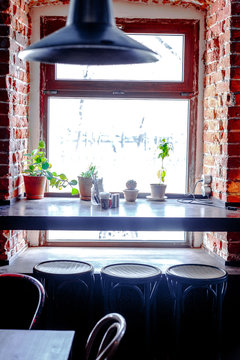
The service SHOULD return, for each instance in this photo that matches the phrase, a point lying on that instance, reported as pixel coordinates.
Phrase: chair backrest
(105, 337)
(21, 301)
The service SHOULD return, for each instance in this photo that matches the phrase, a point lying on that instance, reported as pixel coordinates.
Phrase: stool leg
(147, 292)
(220, 291)
(178, 312)
(106, 290)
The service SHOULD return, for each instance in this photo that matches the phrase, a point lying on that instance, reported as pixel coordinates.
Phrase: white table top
(35, 344)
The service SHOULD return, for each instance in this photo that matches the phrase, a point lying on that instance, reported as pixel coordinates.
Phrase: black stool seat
(196, 273)
(128, 271)
(63, 268)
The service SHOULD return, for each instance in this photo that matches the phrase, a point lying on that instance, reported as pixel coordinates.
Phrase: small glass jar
(104, 200)
(96, 188)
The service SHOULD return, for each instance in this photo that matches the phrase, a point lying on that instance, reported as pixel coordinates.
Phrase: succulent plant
(131, 184)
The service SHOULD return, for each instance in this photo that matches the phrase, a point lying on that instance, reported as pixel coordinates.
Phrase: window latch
(50, 92)
(118, 92)
(186, 94)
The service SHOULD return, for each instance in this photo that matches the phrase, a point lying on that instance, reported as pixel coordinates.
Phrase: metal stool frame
(180, 287)
(144, 286)
(53, 281)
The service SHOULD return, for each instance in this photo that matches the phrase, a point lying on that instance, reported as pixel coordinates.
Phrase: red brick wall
(14, 97)
(217, 96)
(14, 107)
(4, 104)
(222, 115)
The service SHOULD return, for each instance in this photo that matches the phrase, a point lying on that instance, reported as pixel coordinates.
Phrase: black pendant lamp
(90, 37)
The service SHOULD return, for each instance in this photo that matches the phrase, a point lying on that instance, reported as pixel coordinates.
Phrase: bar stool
(183, 279)
(122, 282)
(69, 287)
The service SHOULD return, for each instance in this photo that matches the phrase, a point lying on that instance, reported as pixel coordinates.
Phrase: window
(114, 116)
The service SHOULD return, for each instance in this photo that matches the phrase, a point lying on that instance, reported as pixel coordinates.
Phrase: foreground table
(35, 344)
(142, 215)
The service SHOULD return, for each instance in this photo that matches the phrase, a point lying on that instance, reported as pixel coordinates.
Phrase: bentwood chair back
(21, 300)
(105, 337)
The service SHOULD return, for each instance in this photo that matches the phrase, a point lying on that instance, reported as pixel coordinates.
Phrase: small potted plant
(85, 181)
(158, 190)
(131, 193)
(38, 171)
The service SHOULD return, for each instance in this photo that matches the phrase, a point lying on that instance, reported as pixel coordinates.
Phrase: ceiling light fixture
(90, 37)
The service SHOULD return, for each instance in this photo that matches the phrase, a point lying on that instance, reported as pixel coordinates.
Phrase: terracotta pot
(158, 191)
(85, 185)
(130, 195)
(34, 186)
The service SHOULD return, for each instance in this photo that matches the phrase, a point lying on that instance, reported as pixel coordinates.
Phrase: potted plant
(38, 171)
(85, 181)
(131, 193)
(158, 190)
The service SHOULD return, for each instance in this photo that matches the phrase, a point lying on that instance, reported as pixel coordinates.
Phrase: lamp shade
(90, 37)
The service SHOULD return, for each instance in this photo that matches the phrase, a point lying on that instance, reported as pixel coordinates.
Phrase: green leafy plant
(90, 172)
(38, 165)
(164, 151)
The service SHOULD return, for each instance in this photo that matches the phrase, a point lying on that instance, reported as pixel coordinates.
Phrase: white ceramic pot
(158, 191)
(130, 195)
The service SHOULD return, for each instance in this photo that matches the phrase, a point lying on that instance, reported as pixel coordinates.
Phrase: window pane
(113, 236)
(168, 68)
(120, 137)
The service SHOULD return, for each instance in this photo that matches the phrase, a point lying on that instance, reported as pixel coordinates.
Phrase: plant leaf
(75, 191)
(41, 144)
(49, 174)
(163, 175)
(73, 182)
(63, 177)
(34, 152)
(45, 165)
(52, 181)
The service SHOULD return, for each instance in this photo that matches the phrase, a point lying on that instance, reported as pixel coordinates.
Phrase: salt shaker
(115, 200)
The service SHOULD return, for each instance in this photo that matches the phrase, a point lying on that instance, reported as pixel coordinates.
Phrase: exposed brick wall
(200, 4)
(14, 107)
(222, 115)
(14, 93)
(11, 242)
(217, 96)
(4, 104)
(18, 88)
